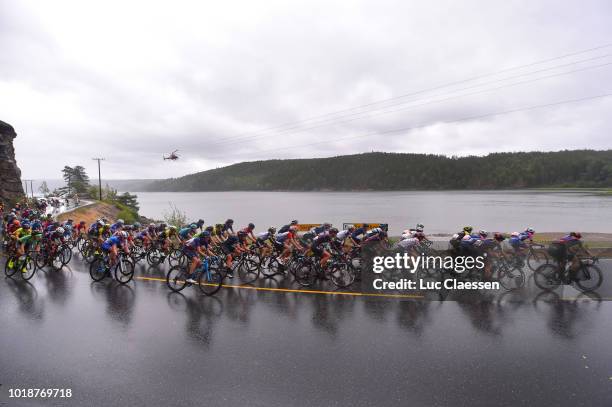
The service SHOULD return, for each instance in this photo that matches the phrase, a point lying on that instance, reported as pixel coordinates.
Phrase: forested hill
(393, 171)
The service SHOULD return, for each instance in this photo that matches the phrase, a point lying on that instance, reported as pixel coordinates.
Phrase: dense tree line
(394, 171)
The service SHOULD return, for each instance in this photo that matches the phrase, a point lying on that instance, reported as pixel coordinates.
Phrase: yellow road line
(289, 290)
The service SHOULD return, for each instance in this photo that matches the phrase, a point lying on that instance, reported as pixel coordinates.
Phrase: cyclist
(112, 244)
(187, 232)
(265, 241)
(410, 243)
(359, 233)
(317, 245)
(228, 227)
(230, 247)
(197, 246)
(569, 248)
(283, 242)
(117, 226)
(345, 238)
(165, 238)
(249, 231)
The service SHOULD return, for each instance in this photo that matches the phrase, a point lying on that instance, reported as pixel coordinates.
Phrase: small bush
(175, 216)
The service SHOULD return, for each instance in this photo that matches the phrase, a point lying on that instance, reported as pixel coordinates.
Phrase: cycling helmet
(120, 221)
(515, 234)
(419, 229)
(251, 226)
(350, 227)
(172, 227)
(69, 221)
(206, 233)
(327, 225)
(498, 236)
(294, 222)
(100, 222)
(200, 222)
(82, 222)
(209, 229)
(293, 228)
(104, 220)
(468, 229)
(577, 235)
(60, 230)
(530, 230)
(193, 226)
(123, 234)
(137, 224)
(420, 226)
(229, 221)
(483, 233)
(272, 230)
(333, 231)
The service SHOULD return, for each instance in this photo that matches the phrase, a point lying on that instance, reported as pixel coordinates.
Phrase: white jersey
(343, 235)
(408, 243)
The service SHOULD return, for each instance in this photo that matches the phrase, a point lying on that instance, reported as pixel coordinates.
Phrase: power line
(369, 115)
(423, 91)
(410, 128)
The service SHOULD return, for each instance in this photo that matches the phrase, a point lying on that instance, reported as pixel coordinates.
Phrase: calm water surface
(440, 212)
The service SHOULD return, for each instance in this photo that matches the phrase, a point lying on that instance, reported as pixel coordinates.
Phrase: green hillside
(393, 171)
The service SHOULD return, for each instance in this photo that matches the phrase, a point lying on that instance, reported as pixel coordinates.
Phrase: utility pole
(32, 189)
(25, 181)
(99, 176)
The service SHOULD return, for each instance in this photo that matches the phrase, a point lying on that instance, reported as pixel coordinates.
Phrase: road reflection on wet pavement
(142, 345)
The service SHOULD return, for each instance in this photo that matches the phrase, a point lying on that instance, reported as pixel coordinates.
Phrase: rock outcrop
(11, 188)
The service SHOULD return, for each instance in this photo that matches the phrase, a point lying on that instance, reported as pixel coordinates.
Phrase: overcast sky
(133, 80)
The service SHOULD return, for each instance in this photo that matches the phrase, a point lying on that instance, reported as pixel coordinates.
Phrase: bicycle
(123, 269)
(209, 280)
(537, 256)
(509, 274)
(340, 272)
(588, 277)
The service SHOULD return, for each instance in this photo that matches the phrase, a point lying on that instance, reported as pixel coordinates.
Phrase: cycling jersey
(342, 235)
(408, 243)
(185, 233)
(115, 226)
(112, 242)
(282, 237)
(321, 238)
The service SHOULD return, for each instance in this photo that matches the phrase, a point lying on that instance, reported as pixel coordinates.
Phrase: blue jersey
(112, 241)
(185, 233)
(196, 242)
(115, 226)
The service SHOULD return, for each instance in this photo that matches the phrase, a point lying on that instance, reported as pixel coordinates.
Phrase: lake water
(440, 212)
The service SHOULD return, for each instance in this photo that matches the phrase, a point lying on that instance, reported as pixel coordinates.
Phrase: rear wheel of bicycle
(176, 279)
(28, 269)
(10, 267)
(270, 267)
(124, 271)
(41, 259)
(97, 269)
(248, 271)
(536, 258)
(305, 274)
(511, 279)
(591, 278)
(342, 275)
(210, 280)
(546, 277)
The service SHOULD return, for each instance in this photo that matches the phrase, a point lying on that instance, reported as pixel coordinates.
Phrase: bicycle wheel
(511, 279)
(270, 267)
(176, 279)
(210, 280)
(537, 258)
(66, 255)
(248, 271)
(305, 274)
(41, 259)
(342, 275)
(10, 267)
(592, 277)
(28, 269)
(124, 271)
(97, 269)
(154, 257)
(546, 277)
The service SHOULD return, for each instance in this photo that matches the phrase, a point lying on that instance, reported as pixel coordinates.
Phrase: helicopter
(173, 156)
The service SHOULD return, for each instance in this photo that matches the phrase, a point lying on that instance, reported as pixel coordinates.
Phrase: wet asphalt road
(141, 345)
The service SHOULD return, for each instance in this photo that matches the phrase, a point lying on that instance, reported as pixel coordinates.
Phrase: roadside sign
(305, 227)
